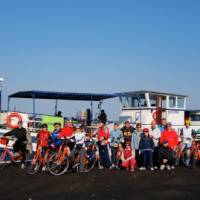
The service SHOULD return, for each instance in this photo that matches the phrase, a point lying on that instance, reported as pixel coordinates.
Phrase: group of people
(125, 147)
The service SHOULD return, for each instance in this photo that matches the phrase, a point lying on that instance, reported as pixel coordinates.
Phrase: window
(195, 118)
(172, 102)
(124, 102)
(153, 100)
(164, 102)
(181, 102)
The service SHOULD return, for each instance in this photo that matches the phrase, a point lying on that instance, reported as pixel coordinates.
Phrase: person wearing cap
(116, 139)
(20, 145)
(55, 135)
(103, 138)
(135, 141)
(79, 137)
(187, 134)
(68, 132)
(171, 136)
(128, 158)
(147, 148)
(127, 131)
(166, 156)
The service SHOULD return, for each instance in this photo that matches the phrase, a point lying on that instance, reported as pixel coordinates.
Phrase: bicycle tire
(55, 168)
(34, 167)
(3, 163)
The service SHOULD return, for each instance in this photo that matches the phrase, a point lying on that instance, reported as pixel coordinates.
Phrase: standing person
(43, 140)
(171, 136)
(187, 138)
(155, 134)
(135, 141)
(127, 131)
(55, 135)
(163, 125)
(116, 139)
(147, 148)
(20, 145)
(103, 117)
(79, 136)
(68, 132)
(165, 156)
(103, 136)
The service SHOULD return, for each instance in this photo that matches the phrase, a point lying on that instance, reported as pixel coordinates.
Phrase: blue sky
(99, 46)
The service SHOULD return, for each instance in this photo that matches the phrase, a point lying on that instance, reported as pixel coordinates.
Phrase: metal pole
(8, 105)
(56, 107)
(0, 101)
(91, 108)
(34, 104)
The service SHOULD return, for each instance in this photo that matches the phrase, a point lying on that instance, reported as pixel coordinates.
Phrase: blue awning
(61, 95)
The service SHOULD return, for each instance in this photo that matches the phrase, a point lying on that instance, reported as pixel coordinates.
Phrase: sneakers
(162, 167)
(44, 169)
(100, 167)
(172, 168)
(132, 170)
(112, 167)
(142, 168)
(152, 169)
(23, 166)
(168, 168)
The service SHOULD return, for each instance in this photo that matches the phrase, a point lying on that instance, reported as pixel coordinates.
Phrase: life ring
(154, 115)
(9, 119)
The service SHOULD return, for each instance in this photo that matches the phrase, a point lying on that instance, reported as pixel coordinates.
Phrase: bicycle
(6, 155)
(39, 159)
(58, 163)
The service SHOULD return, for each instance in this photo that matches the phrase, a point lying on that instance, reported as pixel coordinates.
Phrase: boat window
(172, 102)
(164, 102)
(124, 102)
(153, 100)
(195, 118)
(139, 101)
(181, 102)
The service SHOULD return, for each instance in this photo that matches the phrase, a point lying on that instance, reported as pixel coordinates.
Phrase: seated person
(166, 156)
(128, 158)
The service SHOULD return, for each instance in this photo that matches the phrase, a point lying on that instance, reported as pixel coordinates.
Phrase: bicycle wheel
(56, 165)
(3, 161)
(89, 161)
(34, 167)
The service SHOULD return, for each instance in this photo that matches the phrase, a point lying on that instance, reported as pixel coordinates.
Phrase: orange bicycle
(58, 163)
(39, 160)
(6, 155)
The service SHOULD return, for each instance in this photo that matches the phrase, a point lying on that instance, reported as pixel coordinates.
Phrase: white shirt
(156, 134)
(79, 137)
(187, 135)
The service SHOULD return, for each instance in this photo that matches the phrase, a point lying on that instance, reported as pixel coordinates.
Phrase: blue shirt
(116, 137)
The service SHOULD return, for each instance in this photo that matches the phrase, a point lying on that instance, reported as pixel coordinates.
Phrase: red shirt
(171, 137)
(43, 136)
(66, 132)
(103, 133)
(127, 153)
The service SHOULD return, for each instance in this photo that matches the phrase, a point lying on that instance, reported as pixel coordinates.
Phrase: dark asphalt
(181, 184)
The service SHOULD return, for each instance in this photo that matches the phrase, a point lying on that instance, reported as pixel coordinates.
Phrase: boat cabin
(145, 106)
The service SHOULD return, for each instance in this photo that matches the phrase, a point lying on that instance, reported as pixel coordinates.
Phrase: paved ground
(182, 184)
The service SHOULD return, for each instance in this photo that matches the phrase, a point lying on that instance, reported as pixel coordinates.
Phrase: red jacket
(43, 136)
(66, 132)
(127, 153)
(171, 137)
(103, 133)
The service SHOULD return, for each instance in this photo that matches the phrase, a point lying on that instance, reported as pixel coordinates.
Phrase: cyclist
(68, 132)
(187, 138)
(79, 137)
(43, 139)
(55, 135)
(20, 145)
